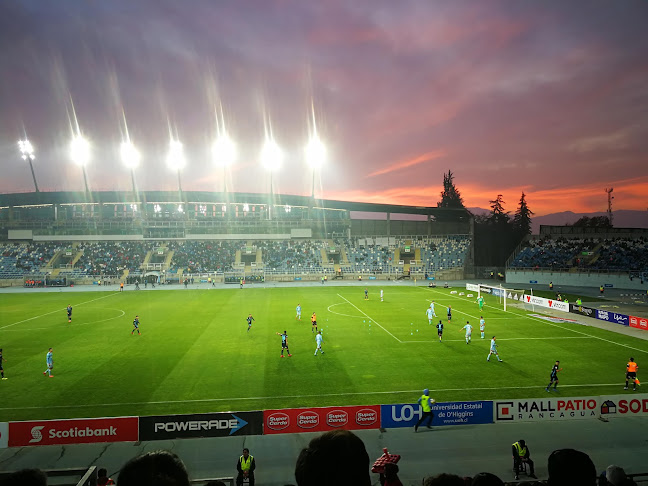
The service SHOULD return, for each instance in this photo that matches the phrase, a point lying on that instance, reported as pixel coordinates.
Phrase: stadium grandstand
(110, 236)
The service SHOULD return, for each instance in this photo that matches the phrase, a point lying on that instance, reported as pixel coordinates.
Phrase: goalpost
(505, 296)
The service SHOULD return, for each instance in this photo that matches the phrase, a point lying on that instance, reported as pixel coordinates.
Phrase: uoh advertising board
(538, 410)
(450, 413)
(323, 419)
(74, 431)
(624, 405)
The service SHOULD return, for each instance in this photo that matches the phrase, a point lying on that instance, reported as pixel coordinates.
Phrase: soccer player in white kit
(298, 310)
(482, 326)
(432, 307)
(468, 329)
(381, 295)
(493, 350)
(318, 340)
(430, 315)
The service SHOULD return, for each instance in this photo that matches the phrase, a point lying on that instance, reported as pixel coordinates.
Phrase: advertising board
(582, 310)
(4, 435)
(73, 431)
(624, 405)
(613, 317)
(323, 419)
(638, 322)
(538, 410)
(161, 427)
(447, 413)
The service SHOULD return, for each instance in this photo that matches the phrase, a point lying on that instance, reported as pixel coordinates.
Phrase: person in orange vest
(631, 374)
(121, 286)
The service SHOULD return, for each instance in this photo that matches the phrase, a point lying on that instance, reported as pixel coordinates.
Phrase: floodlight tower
(176, 160)
(225, 153)
(27, 153)
(609, 210)
(80, 155)
(131, 158)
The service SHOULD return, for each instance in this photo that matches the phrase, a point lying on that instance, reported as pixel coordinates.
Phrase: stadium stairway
(147, 259)
(167, 260)
(417, 254)
(259, 257)
(324, 256)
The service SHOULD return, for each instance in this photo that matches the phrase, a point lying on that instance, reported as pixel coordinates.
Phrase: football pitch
(195, 353)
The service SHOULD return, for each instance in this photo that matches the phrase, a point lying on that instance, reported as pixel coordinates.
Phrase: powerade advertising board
(450, 413)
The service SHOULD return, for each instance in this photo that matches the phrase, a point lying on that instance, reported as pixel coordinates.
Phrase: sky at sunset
(546, 97)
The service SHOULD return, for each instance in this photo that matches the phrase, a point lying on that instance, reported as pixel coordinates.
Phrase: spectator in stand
(615, 476)
(444, 479)
(102, 477)
(486, 479)
(245, 467)
(391, 475)
(25, 477)
(154, 468)
(336, 458)
(568, 467)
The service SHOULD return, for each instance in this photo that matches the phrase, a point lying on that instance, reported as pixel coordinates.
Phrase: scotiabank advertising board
(629, 405)
(639, 322)
(539, 410)
(323, 419)
(75, 431)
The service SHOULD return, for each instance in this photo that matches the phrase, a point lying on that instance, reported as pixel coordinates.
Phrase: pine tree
(450, 197)
(522, 218)
(498, 216)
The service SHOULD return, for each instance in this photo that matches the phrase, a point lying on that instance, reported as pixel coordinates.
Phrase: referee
(426, 407)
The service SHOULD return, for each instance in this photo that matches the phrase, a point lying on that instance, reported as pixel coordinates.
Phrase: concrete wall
(618, 281)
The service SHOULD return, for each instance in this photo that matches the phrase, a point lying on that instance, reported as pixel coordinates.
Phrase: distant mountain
(623, 218)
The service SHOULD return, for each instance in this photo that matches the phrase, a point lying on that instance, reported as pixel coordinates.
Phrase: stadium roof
(126, 197)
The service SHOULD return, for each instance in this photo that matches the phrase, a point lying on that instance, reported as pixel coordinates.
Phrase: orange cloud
(435, 154)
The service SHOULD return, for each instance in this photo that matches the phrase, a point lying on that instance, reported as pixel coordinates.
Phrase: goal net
(501, 295)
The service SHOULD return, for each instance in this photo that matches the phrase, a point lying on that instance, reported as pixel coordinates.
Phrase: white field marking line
(575, 331)
(208, 400)
(58, 310)
(367, 315)
(123, 313)
(469, 315)
(340, 313)
(504, 339)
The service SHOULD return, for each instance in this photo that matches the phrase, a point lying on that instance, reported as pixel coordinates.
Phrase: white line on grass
(325, 395)
(373, 320)
(504, 339)
(340, 313)
(58, 310)
(565, 328)
(123, 313)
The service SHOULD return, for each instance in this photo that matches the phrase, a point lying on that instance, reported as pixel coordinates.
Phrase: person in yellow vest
(245, 467)
(601, 289)
(426, 409)
(521, 454)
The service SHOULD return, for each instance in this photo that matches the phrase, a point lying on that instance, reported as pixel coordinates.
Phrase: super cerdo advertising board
(73, 431)
(161, 427)
(323, 419)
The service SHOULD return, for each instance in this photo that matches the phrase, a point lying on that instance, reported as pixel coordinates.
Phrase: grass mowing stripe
(374, 320)
(252, 398)
(58, 310)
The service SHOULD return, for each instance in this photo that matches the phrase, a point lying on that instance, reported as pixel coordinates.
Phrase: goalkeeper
(480, 301)
(426, 408)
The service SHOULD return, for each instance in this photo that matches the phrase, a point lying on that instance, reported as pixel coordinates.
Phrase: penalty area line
(324, 395)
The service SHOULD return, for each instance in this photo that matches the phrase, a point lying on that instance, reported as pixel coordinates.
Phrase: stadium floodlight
(271, 155)
(315, 156)
(129, 154)
(176, 159)
(131, 158)
(27, 153)
(225, 154)
(80, 155)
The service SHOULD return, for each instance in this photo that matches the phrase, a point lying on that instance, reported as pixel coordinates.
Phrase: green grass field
(195, 354)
